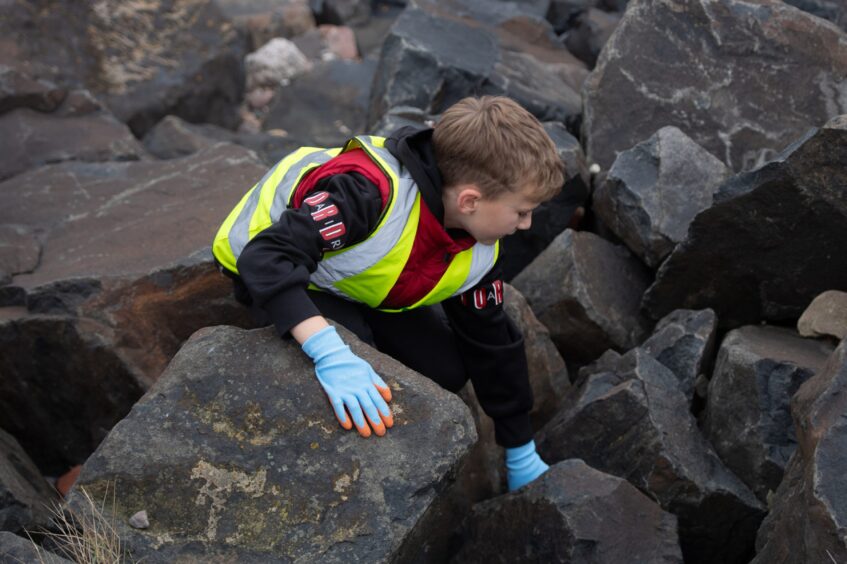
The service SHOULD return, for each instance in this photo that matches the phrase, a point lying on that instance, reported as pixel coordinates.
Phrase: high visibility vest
(366, 271)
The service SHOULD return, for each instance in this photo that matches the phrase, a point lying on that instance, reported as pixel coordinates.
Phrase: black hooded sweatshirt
(276, 264)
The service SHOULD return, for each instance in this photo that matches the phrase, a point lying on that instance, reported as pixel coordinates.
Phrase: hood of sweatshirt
(413, 148)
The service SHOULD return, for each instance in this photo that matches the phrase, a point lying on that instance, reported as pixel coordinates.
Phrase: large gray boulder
(124, 277)
(631, 419)
(707, 67)
(774, 237)
(29, 139)
(684, 342)
(809, 511)
(26, 499)
(747, 417)
(587, 292)
(439, 52)
(654, 190)
(165, 57)
(236, 456)
(573, 513)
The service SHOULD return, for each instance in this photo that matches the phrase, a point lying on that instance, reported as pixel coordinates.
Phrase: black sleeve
(276, 264)
(492, 348)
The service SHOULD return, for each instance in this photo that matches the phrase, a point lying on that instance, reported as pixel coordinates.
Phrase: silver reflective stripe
(369, 252)
(239, 235)
(482, 260)
(283, 192)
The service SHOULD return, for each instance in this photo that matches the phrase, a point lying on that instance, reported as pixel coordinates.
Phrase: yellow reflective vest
(366, 271)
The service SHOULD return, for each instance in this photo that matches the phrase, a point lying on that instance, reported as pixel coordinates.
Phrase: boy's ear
(467, 198)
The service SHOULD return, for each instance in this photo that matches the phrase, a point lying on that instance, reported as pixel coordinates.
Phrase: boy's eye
(523, 213)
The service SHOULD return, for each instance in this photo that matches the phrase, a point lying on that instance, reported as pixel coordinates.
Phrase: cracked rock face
(630, 419)
(586, 291)
(707, 67)
(776, 236)
(654, 190)
(747, 416)
(573, 513)
(809, 511)
(684, 342)
(236, 455)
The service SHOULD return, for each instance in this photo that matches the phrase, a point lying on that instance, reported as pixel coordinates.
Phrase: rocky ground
(684, 299)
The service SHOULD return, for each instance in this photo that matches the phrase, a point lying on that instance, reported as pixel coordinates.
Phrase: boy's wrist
(308, 327)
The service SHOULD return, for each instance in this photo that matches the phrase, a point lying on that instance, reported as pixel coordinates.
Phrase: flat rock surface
(236, 455)
(825, 316)
(126, 218)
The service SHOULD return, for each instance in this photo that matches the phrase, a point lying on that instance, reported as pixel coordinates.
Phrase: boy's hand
(349, 382)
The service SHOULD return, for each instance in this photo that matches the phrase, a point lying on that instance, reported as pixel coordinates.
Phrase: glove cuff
(323, 343)
(516, 455)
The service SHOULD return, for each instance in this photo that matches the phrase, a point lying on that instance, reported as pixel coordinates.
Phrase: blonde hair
(496, 144)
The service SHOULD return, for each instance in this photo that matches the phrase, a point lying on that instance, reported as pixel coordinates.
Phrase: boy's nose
(525, 222)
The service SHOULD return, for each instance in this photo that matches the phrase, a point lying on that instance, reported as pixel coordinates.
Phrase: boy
(375, 234)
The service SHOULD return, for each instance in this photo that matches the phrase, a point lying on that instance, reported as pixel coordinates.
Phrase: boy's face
(490, 219)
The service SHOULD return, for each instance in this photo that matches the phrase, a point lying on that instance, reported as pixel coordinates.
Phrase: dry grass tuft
(87, 535)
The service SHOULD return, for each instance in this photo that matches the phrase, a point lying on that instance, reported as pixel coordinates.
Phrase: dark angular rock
(706, 67)
(809, 511)
(436, 54)
(586, 292)
(17, 90)
(747, 416)
(169, 57)
(326, 106)
(573, 513)
(15, 549)
(26, 499)
(589, 33)
(684, 342)
(402, 116)
(633, 421)
(653, 191)
(173, 138)
(554, 216)
(825, 316)
(236, 456)
(29, 139)
(775, 235)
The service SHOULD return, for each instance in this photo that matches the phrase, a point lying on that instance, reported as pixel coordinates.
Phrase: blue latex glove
(523, 465)
(349, 382)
